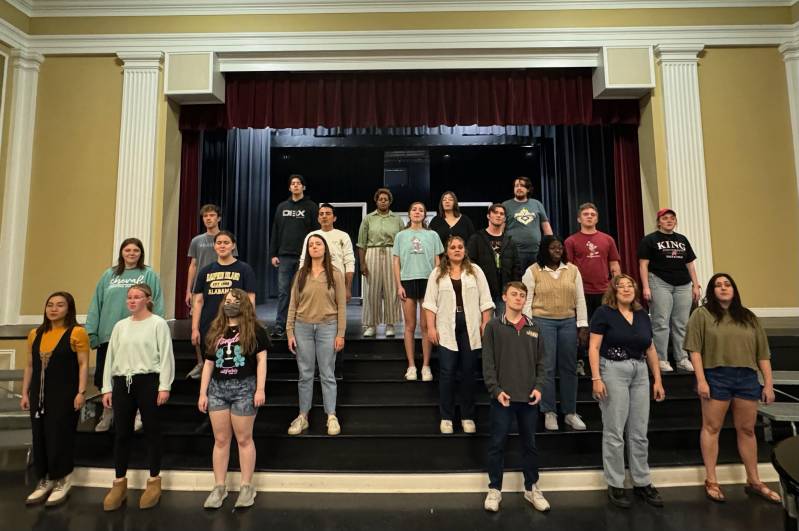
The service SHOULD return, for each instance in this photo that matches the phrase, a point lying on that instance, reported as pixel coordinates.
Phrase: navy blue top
(620, 339)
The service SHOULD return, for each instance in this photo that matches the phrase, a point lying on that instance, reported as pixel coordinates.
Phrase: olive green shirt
(378, 230)
(726, 344)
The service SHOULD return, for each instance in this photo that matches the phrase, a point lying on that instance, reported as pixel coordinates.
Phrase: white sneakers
(427, 374)
(493, 498)
(137, 424)
(445, 426)
(196, 371)
(685, 365)
(105, 421)
(468, 426)
(333, 427)
(298, 425)
(534, 496)
(665, 366)
(551, 421)
(369, 332)
(580, 368)
(390, 331)
(60, 492)
(410, 374)
(40, 493)
(574, 421)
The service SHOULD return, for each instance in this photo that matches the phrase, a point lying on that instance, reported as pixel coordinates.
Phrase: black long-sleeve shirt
(513, 361)
(293, 221)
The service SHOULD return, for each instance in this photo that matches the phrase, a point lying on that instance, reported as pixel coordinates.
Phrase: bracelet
(595, 379)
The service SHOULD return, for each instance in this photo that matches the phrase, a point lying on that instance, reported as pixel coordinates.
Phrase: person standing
(514, 374)
(449, 221)
(338, 243)
(527, 221)
(496, 254)
(375, 241)
(138, 375)
(668, 277)
(294, 219)
(201, 252)
(109, 306)
(53, 390)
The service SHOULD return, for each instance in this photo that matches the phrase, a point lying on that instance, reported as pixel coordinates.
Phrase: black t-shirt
(668, 256)
(215, 280)
(463, 228)
(621, 339)
(229, 359)
(456, 286)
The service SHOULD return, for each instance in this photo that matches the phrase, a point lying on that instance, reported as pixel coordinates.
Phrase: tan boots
(118, 494)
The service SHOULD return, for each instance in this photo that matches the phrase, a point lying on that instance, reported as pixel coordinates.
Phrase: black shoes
(277, 333)
(649, 494)
(619, 498)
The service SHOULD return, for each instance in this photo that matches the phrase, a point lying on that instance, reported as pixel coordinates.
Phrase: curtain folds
(187, 216)
(629, 209)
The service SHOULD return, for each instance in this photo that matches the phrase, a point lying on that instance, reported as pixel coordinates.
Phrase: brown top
(318, 304)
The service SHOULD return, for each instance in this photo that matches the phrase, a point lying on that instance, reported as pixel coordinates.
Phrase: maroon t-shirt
(591, 253)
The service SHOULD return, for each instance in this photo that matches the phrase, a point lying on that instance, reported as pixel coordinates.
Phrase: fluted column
(685, 149)
(790, 54)
(137, 146)
(16, 197)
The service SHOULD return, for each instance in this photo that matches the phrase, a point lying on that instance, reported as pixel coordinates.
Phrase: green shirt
(378, 230)
(726, 344)
(417, 251)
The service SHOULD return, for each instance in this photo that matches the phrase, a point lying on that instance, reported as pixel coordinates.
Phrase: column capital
(26, 59)
(790, 51)
(141, 60)
(678, 53)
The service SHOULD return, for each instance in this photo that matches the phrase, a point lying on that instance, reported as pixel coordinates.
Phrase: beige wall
(13, 16)
(750, 173)
(76, 142)
(652, 152)
(20, 348)
(8, 84)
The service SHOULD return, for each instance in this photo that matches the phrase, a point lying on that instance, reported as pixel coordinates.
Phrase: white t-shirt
(340, 247)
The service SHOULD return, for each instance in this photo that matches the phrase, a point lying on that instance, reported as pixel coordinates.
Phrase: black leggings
(141, 395)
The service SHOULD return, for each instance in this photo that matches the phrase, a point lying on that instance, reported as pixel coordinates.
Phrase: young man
(596, 256)
(201, 252)
(496, 254)
(513, 370)
(338, 242)
(526, 221)
(294, 219)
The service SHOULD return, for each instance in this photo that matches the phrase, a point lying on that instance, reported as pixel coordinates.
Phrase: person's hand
(696, 291)
(163, 396)
(80, 399)
(260, 398)
(107, 400)
(349, 294)
(703, 390)
(293, 345)
(188, 299)
(768, 394)
(432, 335)
(401, 293)
(202, 403)
(582, 336)
(275, 261)
(364, 269)
(503, 398)
(339, 344)
(24, 402)
(483, 328)
(647, 293)
(535, 397)
(195, 337)
(658, 392)
(598, 390)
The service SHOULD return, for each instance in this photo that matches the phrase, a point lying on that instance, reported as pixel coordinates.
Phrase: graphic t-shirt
(215, 280)
(230, 361)
(524, 223)
(417, 251)
(201, 249)
(496, 245)
(591, 253)
(668, 256)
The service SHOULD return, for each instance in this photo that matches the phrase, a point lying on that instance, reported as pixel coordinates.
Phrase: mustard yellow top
(78, 341)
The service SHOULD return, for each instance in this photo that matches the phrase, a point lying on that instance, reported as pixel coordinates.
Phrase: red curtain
(629, 212)
(408, 98)
(187, 217)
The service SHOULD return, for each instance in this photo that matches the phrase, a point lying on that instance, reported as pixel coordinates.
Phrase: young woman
(668, 278)
(728, 347)
(316, 323)
(449, 221)
(109, 306)
(416, 253)
(232, 388)
(138, 374)
(54, 390)
(619, 351)
(556, 301)
(457, 307)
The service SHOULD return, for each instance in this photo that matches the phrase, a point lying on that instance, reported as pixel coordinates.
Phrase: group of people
(513, 296)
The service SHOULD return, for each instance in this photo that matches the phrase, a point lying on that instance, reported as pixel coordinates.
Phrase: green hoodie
(109, 304)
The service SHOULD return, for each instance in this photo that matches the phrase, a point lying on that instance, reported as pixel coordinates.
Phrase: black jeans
(141, 395)
(501, 421)
(449, 362)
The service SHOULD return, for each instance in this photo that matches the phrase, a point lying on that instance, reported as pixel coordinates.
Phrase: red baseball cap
(664, 211)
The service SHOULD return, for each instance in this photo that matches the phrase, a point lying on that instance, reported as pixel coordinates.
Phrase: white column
(790, 54)
(16, 197)
(685, 149)
(137, 146)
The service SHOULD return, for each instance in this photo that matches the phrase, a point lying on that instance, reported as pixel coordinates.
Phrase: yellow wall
(652, 152)
(20, 348)
(14, 16)
(76, 143)
(750, 173)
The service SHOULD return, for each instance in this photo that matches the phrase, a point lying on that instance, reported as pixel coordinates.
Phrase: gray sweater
(513, 361)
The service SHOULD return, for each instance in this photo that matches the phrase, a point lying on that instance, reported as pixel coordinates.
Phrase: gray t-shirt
(524, 223)
(201, 249)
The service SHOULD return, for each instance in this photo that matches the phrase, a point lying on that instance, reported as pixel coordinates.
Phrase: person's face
(230, 298)
(520, 191)
(223, 246)
(326, 218)
(447, 202)
(131, 254)
(137, 301)
(56, 308)
(588, 218)
(497, 217)
(296, 187)
(455, 251)
(417, 213)
(723, 289)
(667, 221)
(316, 248)
(555, 251)
(211, 220)
(514, 299)
(383, 202)
(625, 291)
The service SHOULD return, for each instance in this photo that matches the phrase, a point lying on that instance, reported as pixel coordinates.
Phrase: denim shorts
(233, 394)
(727, 383)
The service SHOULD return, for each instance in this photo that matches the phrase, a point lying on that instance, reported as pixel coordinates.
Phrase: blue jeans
(627, 404)
(285, 274)
(499, 305)
(316, 344)
(501, 421)
(449, 362)
(560, 351)
(669, 310)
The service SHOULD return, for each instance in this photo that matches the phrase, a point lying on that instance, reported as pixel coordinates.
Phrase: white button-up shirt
(580, 308)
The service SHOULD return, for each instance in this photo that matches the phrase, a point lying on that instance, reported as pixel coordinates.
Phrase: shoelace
(59, 485)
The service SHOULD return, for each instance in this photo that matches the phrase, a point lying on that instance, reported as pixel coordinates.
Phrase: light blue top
(417, 250)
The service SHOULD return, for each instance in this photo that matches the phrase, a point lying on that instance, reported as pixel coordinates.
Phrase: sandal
(713, 492)
(762, 490)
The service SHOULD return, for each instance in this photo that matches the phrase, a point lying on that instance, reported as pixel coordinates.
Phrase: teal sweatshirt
(109, 303)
